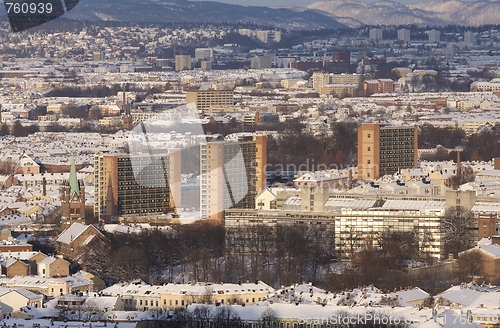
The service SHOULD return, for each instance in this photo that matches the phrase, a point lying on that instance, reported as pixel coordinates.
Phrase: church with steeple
(72, 199)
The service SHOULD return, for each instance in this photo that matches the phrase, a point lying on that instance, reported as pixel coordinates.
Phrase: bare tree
(269, 318)
(7, 167)
(457, 227)
(201, 316)
(469, 265)
(226, 317)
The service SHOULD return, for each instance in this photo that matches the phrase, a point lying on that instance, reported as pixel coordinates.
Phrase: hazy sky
(299, 3)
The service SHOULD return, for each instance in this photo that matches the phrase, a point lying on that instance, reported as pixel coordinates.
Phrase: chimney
(459, 169)
(44, 186)
(349, 183)
(496, 163)
(124, 100)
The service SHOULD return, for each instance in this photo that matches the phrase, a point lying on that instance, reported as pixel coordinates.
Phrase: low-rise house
(12, 300)
(415, 297)
(53, 267)
(139, 296)
(91, 303)
(72, 242)
(50, 287)
(104, 303)
(6, 180)
(14, 267)
(489, 255)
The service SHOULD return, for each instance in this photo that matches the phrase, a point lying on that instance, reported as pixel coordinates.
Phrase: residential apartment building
(386, 149)
(343, 56)
(206, 99)
(262, 35)
(345, 79)
(340, 90)
(319, 80)
(404, 35)
(434, 36)
(132, 185)
(182, 62)
(204, 53)
(376, 34)
(338, 84)
(260, 62)
(232, 174)
(370, 87)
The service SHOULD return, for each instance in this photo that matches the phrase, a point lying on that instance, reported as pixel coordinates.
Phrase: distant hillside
(439, 13)
(156, 11)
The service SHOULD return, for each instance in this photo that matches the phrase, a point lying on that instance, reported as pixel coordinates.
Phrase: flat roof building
(386, 149)
(132, 185)
(205, 99)
(232, 174)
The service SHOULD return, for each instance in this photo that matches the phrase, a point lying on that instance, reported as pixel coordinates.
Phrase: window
(368, 162)
(368, 148)
(368, 136)
(140, 302)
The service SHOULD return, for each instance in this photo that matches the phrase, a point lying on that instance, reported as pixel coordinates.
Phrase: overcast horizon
(303, 3)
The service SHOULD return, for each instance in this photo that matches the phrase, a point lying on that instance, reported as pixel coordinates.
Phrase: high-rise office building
(404, 35)
(386, 149)
(434, 36)
(232, 174)
(182, 62)
(134, 185)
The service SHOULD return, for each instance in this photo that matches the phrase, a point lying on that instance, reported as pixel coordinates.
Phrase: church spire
(74, 186)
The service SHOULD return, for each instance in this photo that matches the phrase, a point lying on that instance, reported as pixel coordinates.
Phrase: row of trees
(298, 148)
(204, 252)
(479, 146)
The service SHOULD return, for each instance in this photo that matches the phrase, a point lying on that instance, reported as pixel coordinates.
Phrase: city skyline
(303, 3)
